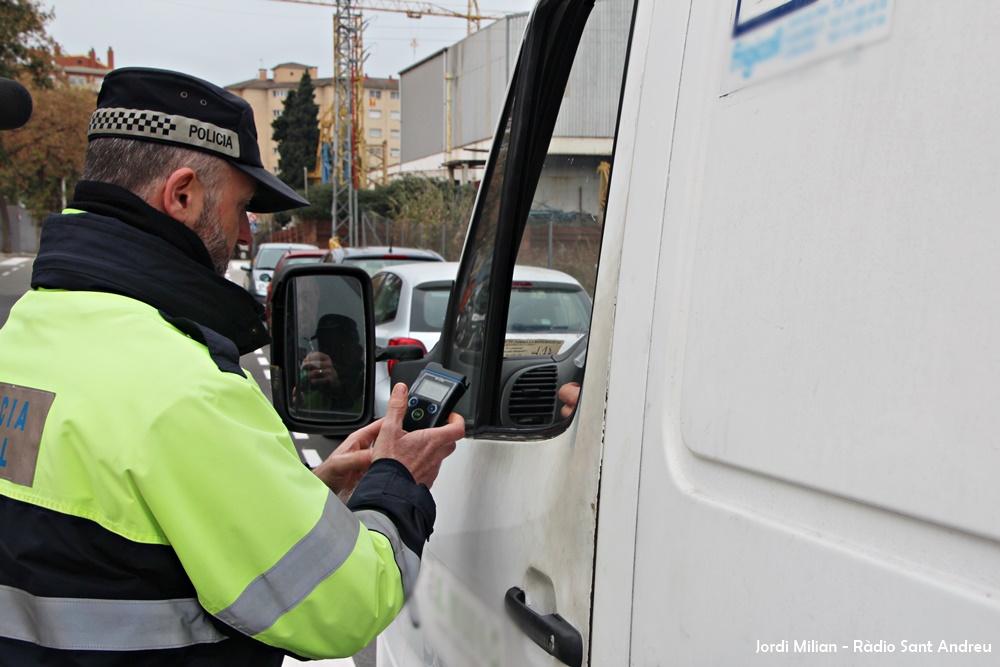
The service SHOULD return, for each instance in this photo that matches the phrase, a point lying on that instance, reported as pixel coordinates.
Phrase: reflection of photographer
(332, 376)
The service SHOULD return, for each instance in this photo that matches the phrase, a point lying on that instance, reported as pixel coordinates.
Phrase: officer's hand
(420, 451)
(344, 468)
(319, 370)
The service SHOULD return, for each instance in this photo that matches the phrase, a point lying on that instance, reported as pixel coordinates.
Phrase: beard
(209, 230)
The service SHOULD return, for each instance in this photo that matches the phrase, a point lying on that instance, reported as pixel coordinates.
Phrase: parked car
(260, 270)
(373, 258)
(549, 312)
(291, 258)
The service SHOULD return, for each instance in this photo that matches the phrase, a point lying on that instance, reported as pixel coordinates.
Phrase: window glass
(386, 288)
(374, 113)
(555, 267)
(472, 288)
(548, 308)
(428, 308)
(375, 132)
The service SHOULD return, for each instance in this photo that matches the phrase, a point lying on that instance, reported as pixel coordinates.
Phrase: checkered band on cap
(144, 124)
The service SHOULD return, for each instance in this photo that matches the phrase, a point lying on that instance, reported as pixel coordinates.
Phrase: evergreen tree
(296, 132)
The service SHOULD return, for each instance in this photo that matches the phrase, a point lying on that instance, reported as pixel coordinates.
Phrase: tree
(297, 133)
(25, 47)
(50, 148)
(25, 54)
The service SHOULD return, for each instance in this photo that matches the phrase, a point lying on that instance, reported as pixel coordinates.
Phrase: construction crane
(414, 10)
(343, 153)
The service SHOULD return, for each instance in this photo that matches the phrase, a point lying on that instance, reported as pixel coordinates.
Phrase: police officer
(153, 509)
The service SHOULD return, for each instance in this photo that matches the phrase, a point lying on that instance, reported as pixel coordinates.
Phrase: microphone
(15, 104)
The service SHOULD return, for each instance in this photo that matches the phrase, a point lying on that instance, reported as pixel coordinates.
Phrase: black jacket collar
(124, 246)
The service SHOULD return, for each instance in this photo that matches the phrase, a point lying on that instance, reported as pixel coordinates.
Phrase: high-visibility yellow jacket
(151, 500)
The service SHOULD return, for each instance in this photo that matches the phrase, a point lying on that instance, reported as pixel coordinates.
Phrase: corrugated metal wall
(480, 67)
(597, 73)
(421, 90)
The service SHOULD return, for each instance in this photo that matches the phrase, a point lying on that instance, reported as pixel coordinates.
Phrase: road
(15, 280)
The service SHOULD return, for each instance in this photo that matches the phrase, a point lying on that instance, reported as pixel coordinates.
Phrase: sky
(227, 41)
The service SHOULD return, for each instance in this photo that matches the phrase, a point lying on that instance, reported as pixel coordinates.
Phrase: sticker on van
(771, 37)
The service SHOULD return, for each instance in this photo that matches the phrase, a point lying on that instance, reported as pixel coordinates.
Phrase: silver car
(549, 312)
(259, 272)
(373, 258)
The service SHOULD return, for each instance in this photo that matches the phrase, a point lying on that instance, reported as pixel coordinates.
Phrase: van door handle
(552, 632)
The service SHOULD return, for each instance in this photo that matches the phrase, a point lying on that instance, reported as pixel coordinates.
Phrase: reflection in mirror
(327, 380)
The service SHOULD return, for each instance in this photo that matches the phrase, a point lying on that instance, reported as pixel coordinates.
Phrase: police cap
(173, 108)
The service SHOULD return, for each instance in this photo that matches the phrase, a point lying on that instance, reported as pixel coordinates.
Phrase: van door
(819, 418)
(506, 578)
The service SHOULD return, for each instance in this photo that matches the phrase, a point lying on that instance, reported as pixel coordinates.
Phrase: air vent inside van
(533, 397)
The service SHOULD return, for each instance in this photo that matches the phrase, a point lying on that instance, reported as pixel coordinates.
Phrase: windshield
(548, 309)
(533, 309)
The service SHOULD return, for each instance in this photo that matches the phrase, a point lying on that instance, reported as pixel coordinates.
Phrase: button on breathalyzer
(433, 396)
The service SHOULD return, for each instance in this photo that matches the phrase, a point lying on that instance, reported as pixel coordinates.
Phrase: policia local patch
(22, 416)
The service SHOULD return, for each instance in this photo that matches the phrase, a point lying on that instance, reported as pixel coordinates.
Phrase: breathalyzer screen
(436, 391)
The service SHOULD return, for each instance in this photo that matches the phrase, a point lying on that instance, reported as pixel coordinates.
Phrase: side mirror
(244, 267)
(323, 348)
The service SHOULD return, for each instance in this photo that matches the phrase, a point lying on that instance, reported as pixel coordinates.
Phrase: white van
(787, 447)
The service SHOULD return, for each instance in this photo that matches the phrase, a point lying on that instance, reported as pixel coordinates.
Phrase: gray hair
(139, 166)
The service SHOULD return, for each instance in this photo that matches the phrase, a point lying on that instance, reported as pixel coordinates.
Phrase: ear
(182, 197)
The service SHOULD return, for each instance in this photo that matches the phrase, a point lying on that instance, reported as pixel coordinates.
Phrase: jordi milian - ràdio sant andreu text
(866, 646)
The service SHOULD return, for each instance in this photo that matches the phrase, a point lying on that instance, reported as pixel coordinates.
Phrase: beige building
(380, 117)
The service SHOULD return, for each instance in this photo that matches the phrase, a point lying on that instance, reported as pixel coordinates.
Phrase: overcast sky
(227, 41)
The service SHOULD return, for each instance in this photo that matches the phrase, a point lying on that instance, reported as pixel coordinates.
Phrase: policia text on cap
(153, 509)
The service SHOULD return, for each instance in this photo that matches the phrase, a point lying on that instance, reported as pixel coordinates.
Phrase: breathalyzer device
(433, 396)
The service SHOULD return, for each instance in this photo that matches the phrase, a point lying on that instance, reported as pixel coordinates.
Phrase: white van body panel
(788, 432)
(819, 438)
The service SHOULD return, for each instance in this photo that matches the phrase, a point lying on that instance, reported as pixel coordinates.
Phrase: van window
(540, 213)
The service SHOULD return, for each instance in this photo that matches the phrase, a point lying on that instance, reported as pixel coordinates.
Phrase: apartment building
(87, 70)
(380, 118)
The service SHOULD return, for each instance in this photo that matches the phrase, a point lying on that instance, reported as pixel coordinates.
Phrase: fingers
(569, 392)
(396, 409)
(569, 395)
(454, 429)
(358, 461)
(363, 438)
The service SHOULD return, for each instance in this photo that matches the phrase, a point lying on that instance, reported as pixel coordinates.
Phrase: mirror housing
(323, 348)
